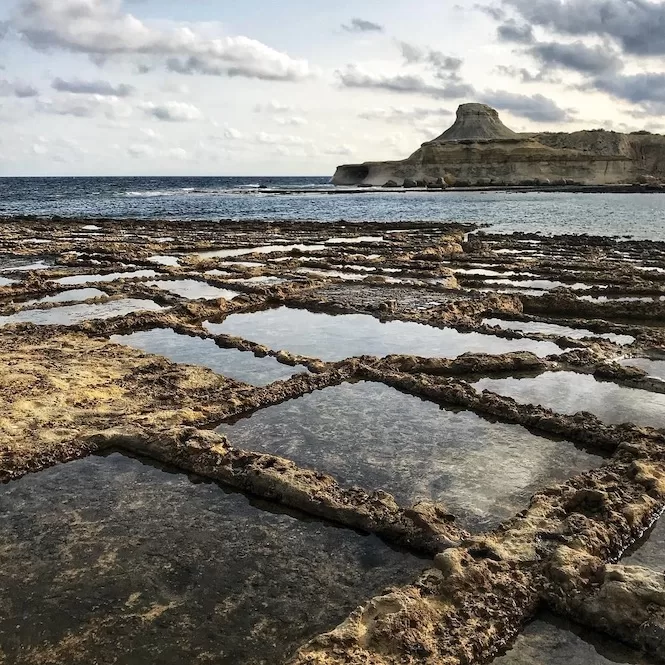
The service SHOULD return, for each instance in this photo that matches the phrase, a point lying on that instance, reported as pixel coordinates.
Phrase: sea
(627, 215)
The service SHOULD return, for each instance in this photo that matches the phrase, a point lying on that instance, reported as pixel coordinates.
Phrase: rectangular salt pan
(112, 556)
(370, 435)
(555, 329)
(570, 392)
(334, 338)
(240, 365)
(73, 314)
(194, 289)
(112, 277)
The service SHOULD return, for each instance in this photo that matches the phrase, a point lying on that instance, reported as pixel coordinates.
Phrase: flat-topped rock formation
(479, 150)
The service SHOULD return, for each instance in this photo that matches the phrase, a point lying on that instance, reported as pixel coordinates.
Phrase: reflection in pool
(570, 392)
(239, 365)
(337, 337)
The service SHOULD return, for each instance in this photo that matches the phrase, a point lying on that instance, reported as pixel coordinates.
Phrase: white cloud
(280, 139)
(104, 29)
(84, 106)
(172, 111)
(138, 150)
(274, 106)
(293, 121)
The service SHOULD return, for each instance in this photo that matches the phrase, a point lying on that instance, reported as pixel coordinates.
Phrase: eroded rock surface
(68, 391)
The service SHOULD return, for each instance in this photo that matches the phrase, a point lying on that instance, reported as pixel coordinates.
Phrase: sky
(212, 87)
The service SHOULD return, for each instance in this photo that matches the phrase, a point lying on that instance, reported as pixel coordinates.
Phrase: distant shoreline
(574, 189)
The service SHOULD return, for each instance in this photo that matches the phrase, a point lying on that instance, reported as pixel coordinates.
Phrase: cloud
(280, 139)
(17, 89)
(647, 89)
(576, 56)
(400, 115)
(354, 77)
(138, 150)
(510, 31)
(292, 120)
(637, 25)
(172, 111)
(535, 107)
(361, 25)
(443, 64)
(343, 149)
(103, 30)
(233, 134)
(103, 88)
(85, 106)
(274, 106)
(525, 76)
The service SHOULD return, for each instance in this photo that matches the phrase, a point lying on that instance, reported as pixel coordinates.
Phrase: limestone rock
(479, 150)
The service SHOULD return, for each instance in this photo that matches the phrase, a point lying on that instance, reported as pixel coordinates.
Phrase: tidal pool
(17, 265)
(115, 560)
(371, 435)
(649, 551)
(194, 289)
(545, 284)
(72, 314)
(555, 329)
(570, 392)
(75, 295)
(5, 281)
(164, 260)
(322, 272)
(112, 277)
(239, 365)
(653, 368)
(550, 640)
(266, 249)
(337, 337)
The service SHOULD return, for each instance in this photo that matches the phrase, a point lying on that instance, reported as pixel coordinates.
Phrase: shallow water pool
(239, 365)
(374, 436)
(570, 392)
(72, 314)
(337, 337)
(114, 560)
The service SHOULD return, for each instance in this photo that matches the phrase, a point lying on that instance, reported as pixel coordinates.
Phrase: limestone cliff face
(480, 150)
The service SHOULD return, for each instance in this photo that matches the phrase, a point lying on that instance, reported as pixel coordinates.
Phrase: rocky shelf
(245, 442)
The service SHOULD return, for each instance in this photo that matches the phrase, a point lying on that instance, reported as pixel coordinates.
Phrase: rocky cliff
(479, 150)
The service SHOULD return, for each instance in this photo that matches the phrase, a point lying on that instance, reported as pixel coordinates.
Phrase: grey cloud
(534, 107)
(525, 76)
(491, 10)
(400, 115)
(17, 89)
(647, 89)
(103, 88)
(361, 25)
(103, 30)
(85, 107)
(196, 65)
(353, 77)
(172, 111)
(637, 25)
(440, 61)
(511, 31)
(576, 56)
